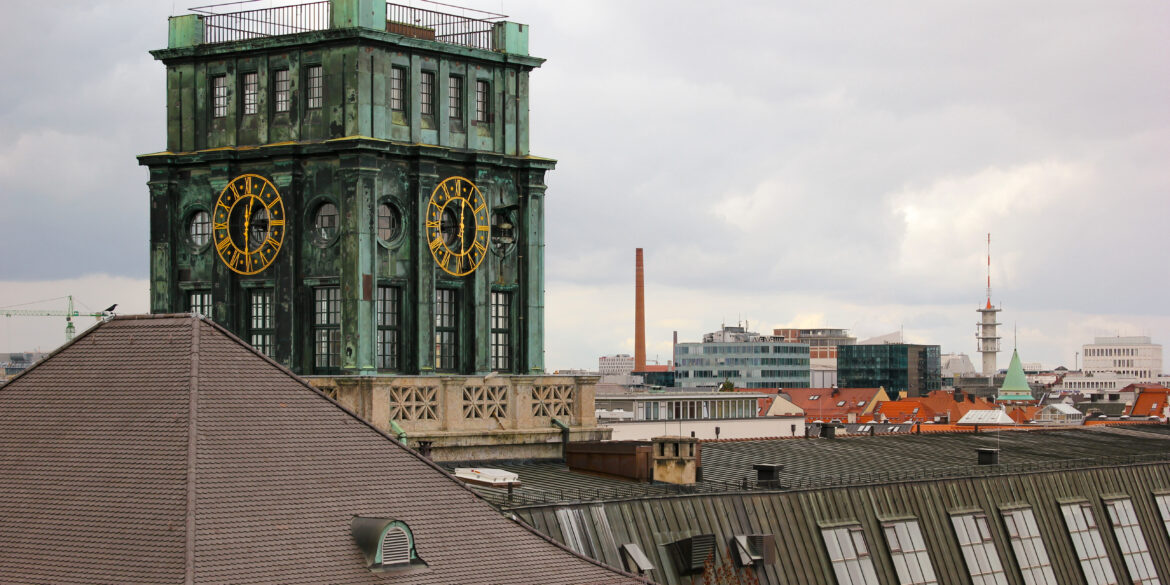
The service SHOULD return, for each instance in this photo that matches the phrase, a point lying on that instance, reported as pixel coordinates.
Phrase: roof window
(841, 403)
(751, 549)
(634, 560)
(814, 397)
(386, 544)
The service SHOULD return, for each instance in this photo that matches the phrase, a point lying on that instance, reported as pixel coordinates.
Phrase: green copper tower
(348, 186)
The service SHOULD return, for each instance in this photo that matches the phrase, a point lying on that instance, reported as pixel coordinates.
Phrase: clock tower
(347, 185)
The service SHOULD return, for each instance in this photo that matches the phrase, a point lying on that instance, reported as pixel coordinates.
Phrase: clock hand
(247, 222)
(462, 207)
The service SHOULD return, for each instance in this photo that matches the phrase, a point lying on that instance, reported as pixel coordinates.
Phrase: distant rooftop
(446, 23)
(1131, 340)
(818, 463)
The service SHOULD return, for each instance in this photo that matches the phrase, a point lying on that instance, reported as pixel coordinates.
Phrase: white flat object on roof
(487, 476)
(986, 417)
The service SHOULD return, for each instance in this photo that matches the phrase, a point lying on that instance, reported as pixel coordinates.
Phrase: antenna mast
(989, 270)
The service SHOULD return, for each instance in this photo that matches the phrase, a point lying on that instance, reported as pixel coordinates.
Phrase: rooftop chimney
(639, 317)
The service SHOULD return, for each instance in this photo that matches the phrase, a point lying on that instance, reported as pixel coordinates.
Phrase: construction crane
(68, 313)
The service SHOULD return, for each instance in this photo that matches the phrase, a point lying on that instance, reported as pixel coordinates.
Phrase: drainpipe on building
(398, 432)
(564, 436)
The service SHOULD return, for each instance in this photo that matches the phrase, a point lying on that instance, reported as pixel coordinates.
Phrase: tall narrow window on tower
(501, 331)
(326, 328)
(219, 96)
(427, 93)
(388, 312)
(315, 87)
(446, 330)
(482, 101)
(251, 91)
(398, 95)
(260, 324)
(280, 89)
(455, 99)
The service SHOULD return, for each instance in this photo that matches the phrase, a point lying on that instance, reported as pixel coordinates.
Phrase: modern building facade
(704, 415)
(744, 358)
(897, 367)
(348, 186)
(822, 343)
(615, 365)
(1132, 356)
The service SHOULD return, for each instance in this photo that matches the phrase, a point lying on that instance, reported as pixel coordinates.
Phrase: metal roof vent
(386, 544)
(634, 560)
(690, 554)
(752, 549)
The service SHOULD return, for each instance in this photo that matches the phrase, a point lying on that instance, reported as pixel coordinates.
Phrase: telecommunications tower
(986, 332)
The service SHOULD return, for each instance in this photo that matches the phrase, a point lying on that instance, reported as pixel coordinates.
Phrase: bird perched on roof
(110, 309)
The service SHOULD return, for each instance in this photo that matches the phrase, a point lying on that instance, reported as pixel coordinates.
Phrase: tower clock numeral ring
(248, 224)
(457, 226)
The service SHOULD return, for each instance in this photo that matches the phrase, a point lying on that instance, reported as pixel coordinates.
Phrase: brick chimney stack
(639, 317)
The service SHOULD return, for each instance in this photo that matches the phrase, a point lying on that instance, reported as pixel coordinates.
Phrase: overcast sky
(806, 164)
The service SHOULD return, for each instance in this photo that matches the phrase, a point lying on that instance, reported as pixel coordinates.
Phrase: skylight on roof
(814, 397)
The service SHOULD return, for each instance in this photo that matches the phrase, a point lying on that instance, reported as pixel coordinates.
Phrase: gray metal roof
(727, 465)
(866, 482)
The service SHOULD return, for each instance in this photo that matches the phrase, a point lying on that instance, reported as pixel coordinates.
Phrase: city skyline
(824, 166)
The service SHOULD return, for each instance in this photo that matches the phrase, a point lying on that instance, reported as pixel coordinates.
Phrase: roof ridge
(450, 477)
(192, 453)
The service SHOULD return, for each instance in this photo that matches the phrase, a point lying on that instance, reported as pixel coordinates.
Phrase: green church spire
(1015, 384)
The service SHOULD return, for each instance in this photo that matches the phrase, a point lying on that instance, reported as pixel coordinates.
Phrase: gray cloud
(838, 161)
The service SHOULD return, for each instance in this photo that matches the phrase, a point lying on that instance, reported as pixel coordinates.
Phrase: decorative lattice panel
(552, 400)
(411, 403)
(485, 402)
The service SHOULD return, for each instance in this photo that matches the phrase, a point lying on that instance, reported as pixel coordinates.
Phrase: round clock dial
(248, 224)
(457, 226)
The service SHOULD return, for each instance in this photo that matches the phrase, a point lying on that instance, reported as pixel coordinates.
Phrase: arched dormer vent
(386, 544)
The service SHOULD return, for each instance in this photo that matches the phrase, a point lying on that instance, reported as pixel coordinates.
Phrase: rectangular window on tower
(388, 311)
(446, 330)
(398, 95)
(482, 102)
(280, 89)
(326, 328)
(501, 331)
(427, 96)
(315, 87)
(199, 302)
(260, 320)
(251, 92)
(455, 101)
(219, 96)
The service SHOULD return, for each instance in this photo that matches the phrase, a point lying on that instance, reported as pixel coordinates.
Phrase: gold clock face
(457, 226)
(248, 224)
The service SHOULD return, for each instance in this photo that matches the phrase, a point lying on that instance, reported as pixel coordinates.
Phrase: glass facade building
(759, 363)
(897, 367)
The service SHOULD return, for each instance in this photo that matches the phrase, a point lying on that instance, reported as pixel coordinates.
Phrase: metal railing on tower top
(264, 22)
(456, 29)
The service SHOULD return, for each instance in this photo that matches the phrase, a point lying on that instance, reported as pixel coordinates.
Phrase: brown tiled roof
(161, 449)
